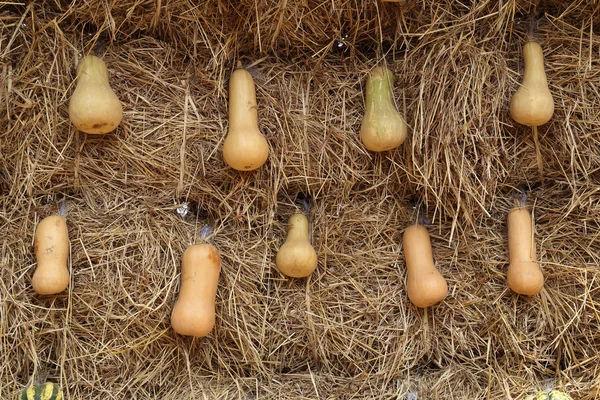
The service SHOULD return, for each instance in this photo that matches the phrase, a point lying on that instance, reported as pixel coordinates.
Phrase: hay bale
(348, 331)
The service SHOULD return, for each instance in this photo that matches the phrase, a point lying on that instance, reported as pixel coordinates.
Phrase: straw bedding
(348, 331)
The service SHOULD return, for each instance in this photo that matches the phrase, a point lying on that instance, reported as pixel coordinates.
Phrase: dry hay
(349, 330)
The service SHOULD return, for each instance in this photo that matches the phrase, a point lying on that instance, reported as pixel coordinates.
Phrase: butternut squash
(425, 285)
(382, 128)
(94, 107)
(524, 275)
(532, 104)
(296, 257)
(51, 247)
(245, 148)
(194, 310)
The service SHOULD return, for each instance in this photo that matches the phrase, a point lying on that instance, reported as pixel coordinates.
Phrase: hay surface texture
(349, 330)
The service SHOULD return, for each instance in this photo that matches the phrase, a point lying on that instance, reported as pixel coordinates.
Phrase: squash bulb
(382, 128)
(532, 104)
(245, 148)
(297, 258)
(94, 107)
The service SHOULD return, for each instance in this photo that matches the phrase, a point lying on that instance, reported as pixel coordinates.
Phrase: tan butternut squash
(296, 257)
(532, 104)
(245, 148)
(425, 285)
(382, 128)
(524, 275)
(94, 107)
(51, 247)
(194, 310)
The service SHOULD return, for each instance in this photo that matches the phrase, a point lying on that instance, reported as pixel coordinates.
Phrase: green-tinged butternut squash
(194, 310)
(296, 257)
(245, 148)
(382, 128)
(94, 107)
(425, 285)
(524, 275)
(51, 247)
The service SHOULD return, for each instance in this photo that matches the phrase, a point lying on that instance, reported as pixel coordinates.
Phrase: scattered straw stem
(183, 140)
(538, 153)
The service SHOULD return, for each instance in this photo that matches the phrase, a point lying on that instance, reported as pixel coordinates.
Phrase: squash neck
(242, 101)
(533, 57)
(379, 88)
(92, 69)
(298, 234)
(243, 120)
(298, 229)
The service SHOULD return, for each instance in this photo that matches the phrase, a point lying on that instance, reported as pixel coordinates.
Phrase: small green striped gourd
(552, 395)
(45, 391)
